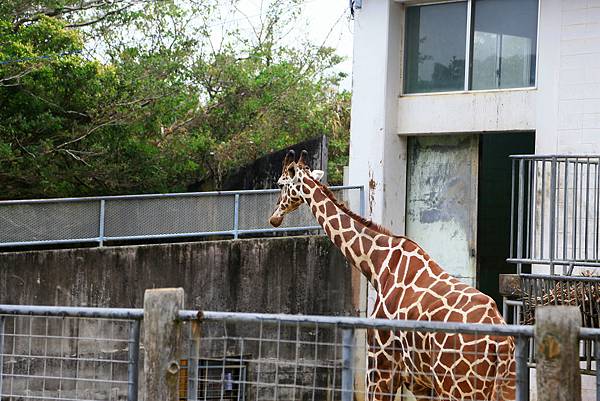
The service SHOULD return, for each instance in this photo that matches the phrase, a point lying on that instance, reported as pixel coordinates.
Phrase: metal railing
(148, 217)
(71, 353)
(555, 211)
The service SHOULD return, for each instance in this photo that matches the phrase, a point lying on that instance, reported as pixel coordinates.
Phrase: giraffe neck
(382, 257)
(350, 235)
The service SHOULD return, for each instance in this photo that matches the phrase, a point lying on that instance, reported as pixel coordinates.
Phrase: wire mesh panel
(255, 209)
(313, 361)
(49, 221)
(139, 217)
(168, 215)
(64, 358)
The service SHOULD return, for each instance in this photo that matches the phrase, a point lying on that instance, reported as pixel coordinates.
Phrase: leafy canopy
(131, 96)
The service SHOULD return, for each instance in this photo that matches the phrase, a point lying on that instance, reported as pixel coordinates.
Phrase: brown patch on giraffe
(335, 224)
(330, 209)
(319, 196)
(464, 386)
(366, 268)
(322, 208)
(314, 209)
(378, 257)
(355, 245)
(345, 222)
(475, 315)
(366, 243)
(348, 235)
(409, 246)
(328, 230)
(309, 182)
(411, 266)
(321, 220)
(395, 258)
(337, 240)
(306, 190)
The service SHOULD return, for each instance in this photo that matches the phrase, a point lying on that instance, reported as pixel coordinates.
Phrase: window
(502, 38)
(435, 47)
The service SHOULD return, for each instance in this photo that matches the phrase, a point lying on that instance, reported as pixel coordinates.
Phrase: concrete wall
(288, 275)
(306, 275)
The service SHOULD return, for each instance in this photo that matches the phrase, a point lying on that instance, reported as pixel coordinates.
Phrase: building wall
(563, 109)
(568, 95)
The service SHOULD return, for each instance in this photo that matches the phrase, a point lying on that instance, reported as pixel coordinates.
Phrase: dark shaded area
(493, 216)
(265, 171)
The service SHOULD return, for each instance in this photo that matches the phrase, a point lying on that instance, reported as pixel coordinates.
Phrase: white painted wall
(377, 155)
(568, 110)
(475, 111)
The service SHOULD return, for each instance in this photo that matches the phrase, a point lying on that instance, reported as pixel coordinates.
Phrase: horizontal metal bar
(157, 196)
(550, 156)
(561, 278)
(511, 302)
(412, 325)
(73, 311)
(66, 378)
(282, 229)
(157, 236)
(52, 242)
(555, 262)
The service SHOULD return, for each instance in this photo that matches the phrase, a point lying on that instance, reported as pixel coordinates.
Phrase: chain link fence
(147, 217)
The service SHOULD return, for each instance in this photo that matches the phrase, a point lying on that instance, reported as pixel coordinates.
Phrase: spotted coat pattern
(409, 285)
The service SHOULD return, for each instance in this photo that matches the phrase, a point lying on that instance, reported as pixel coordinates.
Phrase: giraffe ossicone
(409, 285)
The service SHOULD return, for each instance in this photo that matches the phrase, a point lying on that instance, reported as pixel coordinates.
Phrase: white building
(444, 91)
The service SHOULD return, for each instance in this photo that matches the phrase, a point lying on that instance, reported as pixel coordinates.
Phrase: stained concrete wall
(289, 275)
(305, 275)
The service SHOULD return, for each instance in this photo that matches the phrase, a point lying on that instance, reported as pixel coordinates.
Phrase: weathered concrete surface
(287, 275)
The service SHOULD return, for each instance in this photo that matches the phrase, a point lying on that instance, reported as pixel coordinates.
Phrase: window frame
(468, 52)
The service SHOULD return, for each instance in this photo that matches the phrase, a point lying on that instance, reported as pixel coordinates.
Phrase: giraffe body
(409, 285)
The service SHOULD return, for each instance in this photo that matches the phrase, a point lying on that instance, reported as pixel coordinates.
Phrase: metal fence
(556, 211)
(145, 217)
(58, 353)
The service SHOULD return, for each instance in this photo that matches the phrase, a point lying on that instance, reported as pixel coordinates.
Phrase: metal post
(2, 319)
(552, 213)
(347, 358)
(520, 213)
(194, 355)
(133, 360)
(361, 209)
(522, 373)
(236, 216)
(597, 346)
(101, 229)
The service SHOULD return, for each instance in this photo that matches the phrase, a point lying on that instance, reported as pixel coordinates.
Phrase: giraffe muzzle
(276, 221)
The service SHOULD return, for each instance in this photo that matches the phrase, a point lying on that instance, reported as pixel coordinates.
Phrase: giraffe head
(290, 182)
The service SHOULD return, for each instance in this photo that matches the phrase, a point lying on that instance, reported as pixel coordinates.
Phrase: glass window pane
(504, 44)
(435, 48)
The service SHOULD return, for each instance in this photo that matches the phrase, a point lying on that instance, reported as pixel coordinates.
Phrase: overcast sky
(322, 16)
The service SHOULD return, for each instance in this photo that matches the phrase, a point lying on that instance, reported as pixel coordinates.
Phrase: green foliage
(153, 115)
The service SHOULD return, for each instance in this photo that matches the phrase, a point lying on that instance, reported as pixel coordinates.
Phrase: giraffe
(409, 285)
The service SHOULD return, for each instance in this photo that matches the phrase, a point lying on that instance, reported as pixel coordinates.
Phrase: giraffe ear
(317, 174)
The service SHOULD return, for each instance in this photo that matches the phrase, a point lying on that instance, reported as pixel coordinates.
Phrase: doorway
(493, 205)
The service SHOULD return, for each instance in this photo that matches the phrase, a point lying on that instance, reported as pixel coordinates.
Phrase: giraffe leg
(383, 373)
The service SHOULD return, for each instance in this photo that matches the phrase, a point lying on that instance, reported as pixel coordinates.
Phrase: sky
(328, 22)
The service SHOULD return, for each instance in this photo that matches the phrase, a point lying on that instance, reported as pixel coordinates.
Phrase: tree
(153, 115)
